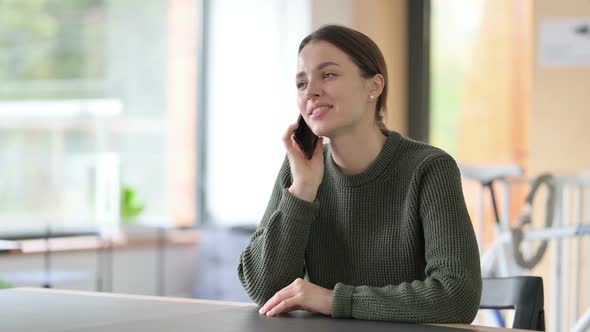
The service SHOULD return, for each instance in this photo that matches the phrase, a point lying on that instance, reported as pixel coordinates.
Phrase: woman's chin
(321, 131)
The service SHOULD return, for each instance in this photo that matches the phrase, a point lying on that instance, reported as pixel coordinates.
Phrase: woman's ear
(376, 85)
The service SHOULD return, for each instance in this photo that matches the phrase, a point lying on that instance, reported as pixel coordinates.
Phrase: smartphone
(305, 138)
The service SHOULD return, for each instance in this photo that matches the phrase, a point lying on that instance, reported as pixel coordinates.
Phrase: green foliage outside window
(51, 41)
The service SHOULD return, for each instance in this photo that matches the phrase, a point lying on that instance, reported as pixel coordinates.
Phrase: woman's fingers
(276, 299)
(285, 306)
(299, 295)
(288, 135)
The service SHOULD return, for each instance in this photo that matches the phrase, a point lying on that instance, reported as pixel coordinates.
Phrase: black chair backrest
(523, 294)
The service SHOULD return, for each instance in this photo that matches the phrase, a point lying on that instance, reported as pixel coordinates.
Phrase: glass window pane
(251, 101)
(92, 100)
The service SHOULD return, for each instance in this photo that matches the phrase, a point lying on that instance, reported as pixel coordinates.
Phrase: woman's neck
(355, 151)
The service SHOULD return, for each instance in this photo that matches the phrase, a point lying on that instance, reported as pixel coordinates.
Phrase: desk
(32, 309)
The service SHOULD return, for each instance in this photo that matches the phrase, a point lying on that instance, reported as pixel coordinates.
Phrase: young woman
(374, 226)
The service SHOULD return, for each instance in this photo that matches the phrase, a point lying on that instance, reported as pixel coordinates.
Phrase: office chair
(523, 294)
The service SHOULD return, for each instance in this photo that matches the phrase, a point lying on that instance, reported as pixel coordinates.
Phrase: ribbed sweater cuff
(342, 301)
(298, 209)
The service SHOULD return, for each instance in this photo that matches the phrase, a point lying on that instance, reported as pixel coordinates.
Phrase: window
(133, 64)
(480, 88)
(250, 101)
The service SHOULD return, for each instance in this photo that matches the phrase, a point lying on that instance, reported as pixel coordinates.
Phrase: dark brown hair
(363, 52)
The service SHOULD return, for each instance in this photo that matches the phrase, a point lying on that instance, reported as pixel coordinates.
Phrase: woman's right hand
(307, 174)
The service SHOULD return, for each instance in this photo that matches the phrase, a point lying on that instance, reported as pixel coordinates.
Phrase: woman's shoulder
(419, 154)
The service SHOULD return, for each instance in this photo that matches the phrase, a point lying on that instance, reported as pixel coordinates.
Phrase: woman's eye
(300, 85)
(328, 75)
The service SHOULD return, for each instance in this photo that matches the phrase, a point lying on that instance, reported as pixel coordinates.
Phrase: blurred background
(140, 140)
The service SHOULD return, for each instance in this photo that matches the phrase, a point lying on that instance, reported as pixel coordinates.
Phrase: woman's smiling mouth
(319, 110)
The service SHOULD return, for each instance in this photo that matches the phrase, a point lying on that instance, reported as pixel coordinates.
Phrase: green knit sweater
(394, 242)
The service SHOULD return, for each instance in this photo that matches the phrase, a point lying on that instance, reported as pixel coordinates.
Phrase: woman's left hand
(299, 295)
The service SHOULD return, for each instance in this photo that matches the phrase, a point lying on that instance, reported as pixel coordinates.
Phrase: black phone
(305, 138)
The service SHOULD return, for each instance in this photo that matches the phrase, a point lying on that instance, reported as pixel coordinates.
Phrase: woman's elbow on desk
(258, 288)
(465, 302)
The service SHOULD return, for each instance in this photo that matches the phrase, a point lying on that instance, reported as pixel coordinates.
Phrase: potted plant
(4, 284)
(131, 207)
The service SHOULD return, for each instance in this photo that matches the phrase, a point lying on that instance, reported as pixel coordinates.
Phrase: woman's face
(332, 95)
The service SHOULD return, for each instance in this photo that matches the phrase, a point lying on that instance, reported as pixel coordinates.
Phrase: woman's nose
(312, 91)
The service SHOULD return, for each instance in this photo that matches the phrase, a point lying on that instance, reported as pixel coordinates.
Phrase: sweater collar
(377, 168)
